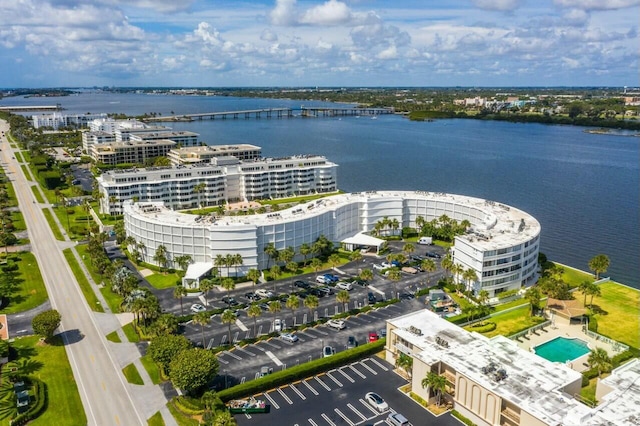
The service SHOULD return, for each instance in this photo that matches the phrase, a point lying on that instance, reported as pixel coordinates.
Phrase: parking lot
(337, 397)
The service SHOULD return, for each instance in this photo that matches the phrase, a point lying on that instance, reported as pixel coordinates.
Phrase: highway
(103, 391)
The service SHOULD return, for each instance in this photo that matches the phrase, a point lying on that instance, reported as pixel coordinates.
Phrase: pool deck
(564, 330)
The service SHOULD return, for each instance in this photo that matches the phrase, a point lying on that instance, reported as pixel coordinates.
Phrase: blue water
(583, 188)
(562, 349)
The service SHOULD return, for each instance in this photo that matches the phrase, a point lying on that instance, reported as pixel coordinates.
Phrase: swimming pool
(562, 349)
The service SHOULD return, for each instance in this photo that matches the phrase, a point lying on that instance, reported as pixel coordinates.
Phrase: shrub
(507, 293)
(40, 405)
(483, 327)
(187, 405)
(462, 418)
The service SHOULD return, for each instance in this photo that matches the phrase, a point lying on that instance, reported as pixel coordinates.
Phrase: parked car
(278, 324)
(328, 351)
(336, 323)
(351, 342)
(373, 336)
(332, 278)
(433, 255)
(196, 307)
(322, 279)
(264, 306)
(397, 419)
(229, 301)
(409, 270)
(265, 371)
(344, 286)
(427, 241)
(301, 284)
(264, 294)
(252, 296)
(379, 267)
(376, 402)
(372, 298)
(385, 265)
(325, 290)
(289, 337)
(417, 258)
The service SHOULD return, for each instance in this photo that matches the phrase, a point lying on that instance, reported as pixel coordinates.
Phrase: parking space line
(324, 385)
(312, 422)
(223, 340)
(284, 395)
(235, 337)
(346, 419)
(273, 358)
(366, 404)
(295, 389)
(334, 379)
(315, 392)
(355, 410)
(275, 404)
(241, 326)
(371, 370)
(346, 375)
(378, 364)
(232, 355)
(245, 351)
(268, 343)
(210, 345)
(357, 372)
(328, 420)
(376, 290)
(222, 360)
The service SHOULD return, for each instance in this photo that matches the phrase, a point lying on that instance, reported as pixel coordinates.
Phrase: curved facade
(502, 244)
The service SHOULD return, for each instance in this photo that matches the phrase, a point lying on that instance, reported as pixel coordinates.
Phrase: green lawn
(27, 175)
(19, 157)
(53, 225)
(18, 222)
(152, 369)
(574, 277)
(619, 313)
(162, 281)
(511, 322)
(130, 332)
(296, 200)
(49, 363)
(181, 418)
(77, 220)
(112, 299)
(114, 337)
(36, 194)
(85, 286)
(25, 286)
(156, 420)
(132, 375)
(11, 193)
(588, 393)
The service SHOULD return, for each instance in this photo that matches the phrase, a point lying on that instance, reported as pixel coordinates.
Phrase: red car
(373, 336)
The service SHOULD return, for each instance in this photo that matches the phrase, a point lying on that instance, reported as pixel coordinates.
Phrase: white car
(328, 351)
(376, 402)
(265, 294)
(344, 286)
(196, 307)
(337, 324)
(322, 279)
(278, 325)
(289, 337)
(378, 267)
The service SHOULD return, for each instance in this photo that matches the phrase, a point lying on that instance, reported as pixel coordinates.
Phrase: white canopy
(362, 239)
(194, 272)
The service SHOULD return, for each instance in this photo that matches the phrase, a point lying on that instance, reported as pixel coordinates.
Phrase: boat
(375, 117)
(250, 405)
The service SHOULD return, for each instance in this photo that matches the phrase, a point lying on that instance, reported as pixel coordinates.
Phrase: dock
(25, 108)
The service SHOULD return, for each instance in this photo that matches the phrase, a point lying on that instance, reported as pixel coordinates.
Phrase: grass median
(52, 224)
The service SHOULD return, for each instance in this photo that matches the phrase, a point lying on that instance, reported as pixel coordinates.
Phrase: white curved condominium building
(502, 245)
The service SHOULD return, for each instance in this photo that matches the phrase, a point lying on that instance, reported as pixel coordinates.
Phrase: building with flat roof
(340, 218)
(204, 154)
(222, 180)
(492, 381)
(134, 152)
(95, 138)
(56, 120)
(181, 138)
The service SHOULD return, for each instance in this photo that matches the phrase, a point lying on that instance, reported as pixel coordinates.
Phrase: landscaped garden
(21, 283)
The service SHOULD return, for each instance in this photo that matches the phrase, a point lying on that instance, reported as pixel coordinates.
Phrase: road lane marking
(273, 358)
(357, 372)
(284, 395)
(295, 389)
(268, 343)
(346, 375)
(266, 395)
(362, 416)
(210, 345)
(315, 392)
(104, 386)
(378, 364)
(117, 420)
(328, 420)
(334, 379)
(346, 419)
(324, 385)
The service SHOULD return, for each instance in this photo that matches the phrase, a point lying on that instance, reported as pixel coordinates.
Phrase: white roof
(362, 239)
(198, 269)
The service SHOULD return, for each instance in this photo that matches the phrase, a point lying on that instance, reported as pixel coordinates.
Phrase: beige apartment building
(134, 152)
(204, 154)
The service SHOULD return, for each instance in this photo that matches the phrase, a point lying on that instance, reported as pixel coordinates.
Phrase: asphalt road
(104, 394)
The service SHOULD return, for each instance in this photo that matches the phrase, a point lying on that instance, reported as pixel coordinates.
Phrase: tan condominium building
(204, 154)
(180, 138)
(133, 152)
(492, 381)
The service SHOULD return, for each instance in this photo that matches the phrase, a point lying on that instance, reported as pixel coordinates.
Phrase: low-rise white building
(182, 138)
(339, 218)
(56, 120)
(492, 381)
(95, 138)
(223, 180)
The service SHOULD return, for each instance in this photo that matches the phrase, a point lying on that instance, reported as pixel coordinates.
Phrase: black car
(251, 296)
(372, 298)
(351, 342)
(317, 293)
(433, 255)
(264, 306)
(229, 301)
(301, 284)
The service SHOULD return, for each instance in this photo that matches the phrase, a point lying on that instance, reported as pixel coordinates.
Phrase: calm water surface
(583, 188)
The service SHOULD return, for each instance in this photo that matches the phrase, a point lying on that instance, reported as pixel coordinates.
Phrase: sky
(325, 43)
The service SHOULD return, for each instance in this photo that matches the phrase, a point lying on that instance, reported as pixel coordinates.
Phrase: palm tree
(594, 290)
(293, 303)
(311, 303)
(202, 319)
(434, 382)
(178, 293)
(447, 263)
(184, 261)
(395, 225)
(271, 252)
(220, 261)
(228, 284)
(354, 256)
(275, 272)
(599, 264)
(599, 359)
(394, 275)
(429, 266)
(274, 307)
(533, 296)
(198, 189)
(334, 260)
(254, 312)
(483, 297)
(366, 275)
(228, 317)
(305, 250)
(237, 261)
(315, 264)
(287, 255)
(405, 362)
(253, 275)
(291, 267)
(160, 257)
(584, 287)
(206, 285)
(343, 297)
(408, 249)
(470, 276)
(229, 261)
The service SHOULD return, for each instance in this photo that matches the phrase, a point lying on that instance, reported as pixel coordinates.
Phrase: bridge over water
(275, 113)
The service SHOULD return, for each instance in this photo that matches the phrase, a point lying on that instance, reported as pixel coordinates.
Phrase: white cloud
(389, 53)
(332, 12)
(598, 4)
(268, 35)
(284, 13)
(501, 5)
(576, 17)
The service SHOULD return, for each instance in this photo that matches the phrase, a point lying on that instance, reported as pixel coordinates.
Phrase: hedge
(188, 405)
(484, 328)
(616, 361)
(40, 391)
(462, 418)
(300, 372)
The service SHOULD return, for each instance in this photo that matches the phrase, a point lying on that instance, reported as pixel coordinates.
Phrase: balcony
(510, 415)
(451, 378)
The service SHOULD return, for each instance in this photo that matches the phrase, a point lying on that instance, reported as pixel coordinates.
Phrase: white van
(427, 241)
(397, 419)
